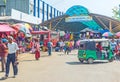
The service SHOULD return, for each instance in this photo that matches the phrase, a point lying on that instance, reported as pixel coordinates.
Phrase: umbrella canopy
(6, 28)
(118, 34)
(22, 28)
(107, 34)
(19, 25)
(28, 26)
(26, 31)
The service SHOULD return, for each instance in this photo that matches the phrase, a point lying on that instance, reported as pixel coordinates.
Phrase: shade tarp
(6, 28)
(87, 29)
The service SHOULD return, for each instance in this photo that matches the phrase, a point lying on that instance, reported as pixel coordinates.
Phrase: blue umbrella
(107, 34)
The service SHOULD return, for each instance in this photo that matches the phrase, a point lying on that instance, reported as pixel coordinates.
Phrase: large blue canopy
(77, 10)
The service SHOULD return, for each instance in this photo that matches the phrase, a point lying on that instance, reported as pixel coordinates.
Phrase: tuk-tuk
(88, 50)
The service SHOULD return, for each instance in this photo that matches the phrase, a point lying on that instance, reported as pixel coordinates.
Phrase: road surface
(63, 68)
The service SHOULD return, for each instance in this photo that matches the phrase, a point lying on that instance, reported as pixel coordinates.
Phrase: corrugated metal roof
(97, 22)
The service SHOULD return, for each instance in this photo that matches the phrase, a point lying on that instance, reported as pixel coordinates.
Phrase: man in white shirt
(12, 57)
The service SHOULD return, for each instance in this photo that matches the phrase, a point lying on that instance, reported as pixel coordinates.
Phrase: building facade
(2, 8)
(34, 8)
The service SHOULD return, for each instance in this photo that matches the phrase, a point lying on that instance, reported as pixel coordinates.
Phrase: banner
(78, 18)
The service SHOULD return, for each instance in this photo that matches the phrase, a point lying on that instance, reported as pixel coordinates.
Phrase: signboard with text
(20, 16)
(78, 18)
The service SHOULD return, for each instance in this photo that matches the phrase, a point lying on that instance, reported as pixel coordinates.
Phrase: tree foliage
(4, 1)
(116, 13)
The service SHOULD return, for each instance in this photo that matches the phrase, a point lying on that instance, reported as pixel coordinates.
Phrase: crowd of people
(114, 46)
(9, 49)
(65, 46)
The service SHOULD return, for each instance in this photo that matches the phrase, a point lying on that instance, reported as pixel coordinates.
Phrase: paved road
(63, 68)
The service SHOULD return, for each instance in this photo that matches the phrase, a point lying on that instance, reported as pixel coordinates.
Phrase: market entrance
(78, 18)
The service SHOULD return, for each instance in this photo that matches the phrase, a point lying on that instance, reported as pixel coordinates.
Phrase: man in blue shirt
(49, 45)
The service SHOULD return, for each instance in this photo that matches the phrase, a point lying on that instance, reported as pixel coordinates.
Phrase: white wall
(17, 15)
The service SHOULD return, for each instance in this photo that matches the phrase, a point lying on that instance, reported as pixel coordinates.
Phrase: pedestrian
(37, 49)
(66, 47)
(49, 46)
(12, 57)
(117, 51)
(113, 45)
(33, 46)
(99, 47)
(70, 46)
(77, 44)
(3, 54)
(61, 45)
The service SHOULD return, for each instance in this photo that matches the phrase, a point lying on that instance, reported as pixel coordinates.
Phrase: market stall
(23, 36)
(43, 36)
(6, 30)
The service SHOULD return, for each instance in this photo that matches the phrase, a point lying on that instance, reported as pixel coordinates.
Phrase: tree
(116, 13)
(4, 1)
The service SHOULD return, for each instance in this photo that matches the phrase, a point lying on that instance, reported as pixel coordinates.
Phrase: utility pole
(110, 26)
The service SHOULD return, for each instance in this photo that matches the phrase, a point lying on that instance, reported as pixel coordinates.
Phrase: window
(2, 10)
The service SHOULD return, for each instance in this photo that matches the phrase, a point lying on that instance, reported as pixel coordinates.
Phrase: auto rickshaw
(89, 52)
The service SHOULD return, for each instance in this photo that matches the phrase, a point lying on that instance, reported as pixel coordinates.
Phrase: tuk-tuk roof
(90, 44)
(95, 40)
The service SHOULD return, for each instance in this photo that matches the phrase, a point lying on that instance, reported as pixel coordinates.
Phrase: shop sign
(78, 18)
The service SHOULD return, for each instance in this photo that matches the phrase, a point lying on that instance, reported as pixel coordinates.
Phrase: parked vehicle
(95, 49)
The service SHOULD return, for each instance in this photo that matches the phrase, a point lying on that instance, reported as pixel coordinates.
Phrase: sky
(103, 7)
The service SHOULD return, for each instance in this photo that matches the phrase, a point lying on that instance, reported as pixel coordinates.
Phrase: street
(63, 68)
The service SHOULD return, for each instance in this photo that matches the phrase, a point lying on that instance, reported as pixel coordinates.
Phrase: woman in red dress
(37, 49)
